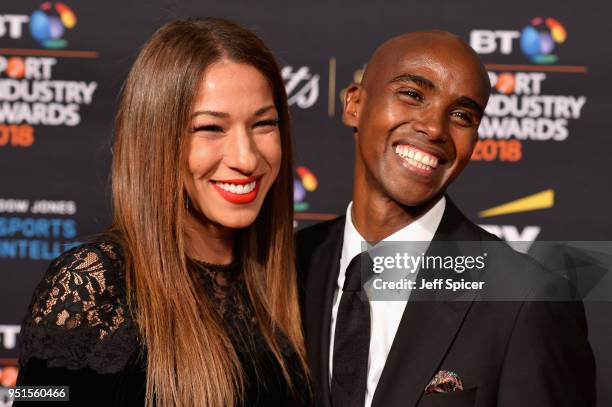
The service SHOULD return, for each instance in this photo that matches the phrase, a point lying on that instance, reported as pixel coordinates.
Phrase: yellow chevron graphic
(541, 200)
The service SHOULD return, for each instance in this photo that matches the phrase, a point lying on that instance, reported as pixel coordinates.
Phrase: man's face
(417, 116)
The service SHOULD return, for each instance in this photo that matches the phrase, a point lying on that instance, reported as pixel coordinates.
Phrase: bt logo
(537, 40)
(11, 25)
(487, 42)
(49, 23)
(307, 182)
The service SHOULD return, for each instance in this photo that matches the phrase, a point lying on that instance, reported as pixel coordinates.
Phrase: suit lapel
(321, 284)
(427, 328)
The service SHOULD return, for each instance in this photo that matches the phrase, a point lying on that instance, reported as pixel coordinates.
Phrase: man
(415, 117)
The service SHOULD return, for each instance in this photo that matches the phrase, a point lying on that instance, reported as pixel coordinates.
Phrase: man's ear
(352, 105)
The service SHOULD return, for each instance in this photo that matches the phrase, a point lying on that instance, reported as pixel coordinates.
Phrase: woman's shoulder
(79, 315)
(99, 260)
(84, 277)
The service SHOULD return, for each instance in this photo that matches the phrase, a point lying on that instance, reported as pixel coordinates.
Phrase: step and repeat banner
(540, 171)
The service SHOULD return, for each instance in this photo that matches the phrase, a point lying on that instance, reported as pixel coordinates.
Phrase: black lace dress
(79, 332)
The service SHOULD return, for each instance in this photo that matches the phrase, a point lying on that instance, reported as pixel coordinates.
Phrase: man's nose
(241, 153)
(433, 122)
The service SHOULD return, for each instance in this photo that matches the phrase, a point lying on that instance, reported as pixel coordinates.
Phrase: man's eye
(412, 94)
(266, 123)
(209, 127)
(464, 119)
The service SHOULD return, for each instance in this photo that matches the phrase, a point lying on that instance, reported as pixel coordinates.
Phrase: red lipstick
(238, 198)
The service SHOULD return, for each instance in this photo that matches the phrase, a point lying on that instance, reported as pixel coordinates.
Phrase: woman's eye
(209, 128)
(266, 123)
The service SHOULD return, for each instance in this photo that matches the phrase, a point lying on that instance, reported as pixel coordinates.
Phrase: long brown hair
(190, 359)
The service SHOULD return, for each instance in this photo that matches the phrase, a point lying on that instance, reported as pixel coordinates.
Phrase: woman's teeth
(239, 189)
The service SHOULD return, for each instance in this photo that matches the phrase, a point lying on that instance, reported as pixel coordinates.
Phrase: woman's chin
(238, 220)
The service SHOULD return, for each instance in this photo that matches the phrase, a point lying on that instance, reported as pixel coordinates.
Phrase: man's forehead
(420, 49)
(411, 60)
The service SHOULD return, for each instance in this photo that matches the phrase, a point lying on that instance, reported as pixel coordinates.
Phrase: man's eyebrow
(470, 104)
(418, 79)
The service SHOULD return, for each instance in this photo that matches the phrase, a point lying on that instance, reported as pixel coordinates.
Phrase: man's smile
(416, 159)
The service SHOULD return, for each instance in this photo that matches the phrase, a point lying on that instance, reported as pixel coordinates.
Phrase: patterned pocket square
(444, 382)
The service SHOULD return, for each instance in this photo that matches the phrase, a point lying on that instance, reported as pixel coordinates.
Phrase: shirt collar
(421, 230)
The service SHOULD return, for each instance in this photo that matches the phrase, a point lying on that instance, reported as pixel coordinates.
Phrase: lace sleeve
(79, 316)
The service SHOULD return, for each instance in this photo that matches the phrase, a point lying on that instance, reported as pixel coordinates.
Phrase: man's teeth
(418, 158)
(239, 189)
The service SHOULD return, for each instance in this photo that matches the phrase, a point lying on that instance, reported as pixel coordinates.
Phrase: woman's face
(234, 149)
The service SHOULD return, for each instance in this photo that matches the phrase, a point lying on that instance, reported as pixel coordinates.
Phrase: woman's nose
(241, 152)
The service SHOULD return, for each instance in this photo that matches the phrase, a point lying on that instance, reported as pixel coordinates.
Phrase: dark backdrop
(549, 155)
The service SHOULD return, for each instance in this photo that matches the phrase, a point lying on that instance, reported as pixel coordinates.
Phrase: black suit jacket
(509, 354)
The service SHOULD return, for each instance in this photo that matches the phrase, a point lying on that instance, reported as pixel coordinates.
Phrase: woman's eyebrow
(222, 115)
(263, 110)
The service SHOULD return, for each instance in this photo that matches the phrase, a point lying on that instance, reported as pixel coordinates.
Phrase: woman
(190, 299)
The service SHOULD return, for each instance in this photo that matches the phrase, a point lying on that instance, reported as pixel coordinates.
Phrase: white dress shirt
(385, 316)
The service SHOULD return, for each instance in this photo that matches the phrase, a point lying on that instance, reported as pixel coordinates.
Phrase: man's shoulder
(308, 239)
(519, 276)
(456, 225)
(513, 273)
(314, 235)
